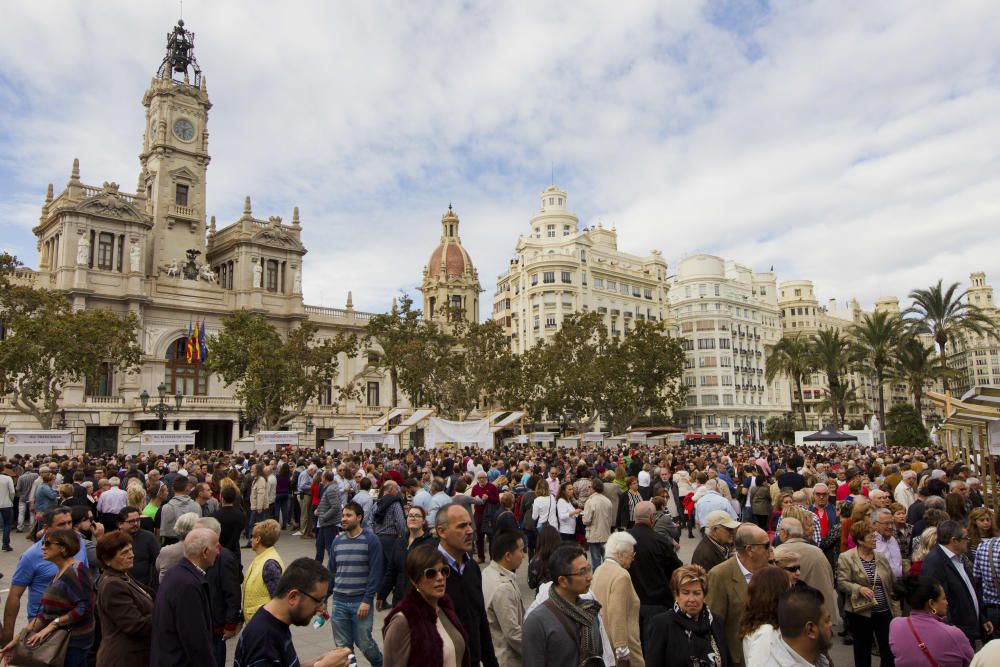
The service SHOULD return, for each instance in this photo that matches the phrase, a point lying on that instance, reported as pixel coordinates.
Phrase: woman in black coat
(394, 580)
(688, 634)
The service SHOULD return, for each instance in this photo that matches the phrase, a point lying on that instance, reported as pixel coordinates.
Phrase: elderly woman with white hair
(612, 587)
(172, 554)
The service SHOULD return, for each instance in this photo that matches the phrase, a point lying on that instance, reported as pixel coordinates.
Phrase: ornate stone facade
(151, 253)
(451, 283)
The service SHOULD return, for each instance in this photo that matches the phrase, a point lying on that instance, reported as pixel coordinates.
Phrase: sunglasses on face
(433, 572)
(792, 568)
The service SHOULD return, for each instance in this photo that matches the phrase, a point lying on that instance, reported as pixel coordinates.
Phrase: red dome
(456, 261)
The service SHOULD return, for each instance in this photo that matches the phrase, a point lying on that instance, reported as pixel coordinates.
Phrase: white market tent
(506, 421)
(445, 431)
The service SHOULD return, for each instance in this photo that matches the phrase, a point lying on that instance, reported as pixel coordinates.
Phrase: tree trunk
(802, 402)
(394, 379)
(881, 398)
(918, 397)
(942, 345)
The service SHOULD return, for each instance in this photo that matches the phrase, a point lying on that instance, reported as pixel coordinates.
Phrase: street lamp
(162, 408)
(62, 420)
(309, 425)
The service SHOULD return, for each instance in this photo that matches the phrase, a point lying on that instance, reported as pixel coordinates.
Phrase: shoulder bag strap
(921, 644)
(561, 617)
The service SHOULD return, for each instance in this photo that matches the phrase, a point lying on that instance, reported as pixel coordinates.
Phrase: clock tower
(174, 154)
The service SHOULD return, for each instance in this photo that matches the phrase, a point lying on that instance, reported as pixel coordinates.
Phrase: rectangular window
(101, 386)
(692, 401)
(687, 327)
(566, 230)
(648, 293)
(726, 362)
(181, 195)
(550, 321)
(325, 393)
(535, 322)
(623, 288)
(709, 381)
(706, 343)
(566, 277)
(105, 250)
(636, 290)
(727, 380)
(272, 275)
(724, 343)
(690, 380)
(716, 290)
(534, 278)
(121, 250)
(551, 231)
(373, 388)
(710, 399)
(727, 399)
(687, 344)
(549, 277)
(599, 283)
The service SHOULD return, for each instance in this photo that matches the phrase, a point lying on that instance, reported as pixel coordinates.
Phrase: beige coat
(727, 597)
(598, 518)
(851, 576)
(505, 613)
(258, 495)
(612, 586)
(816, 572)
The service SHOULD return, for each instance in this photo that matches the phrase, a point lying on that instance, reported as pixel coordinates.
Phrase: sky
(856, 144)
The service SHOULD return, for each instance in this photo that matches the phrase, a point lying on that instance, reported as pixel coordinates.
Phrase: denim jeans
(350, 631)
(281, 511)
(324, 540)
(596, 553)
(255, 518)
(76, 657)
(7, 515)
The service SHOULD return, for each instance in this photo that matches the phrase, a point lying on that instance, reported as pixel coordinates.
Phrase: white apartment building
(728, 316)
(977, 358)
(560, 269)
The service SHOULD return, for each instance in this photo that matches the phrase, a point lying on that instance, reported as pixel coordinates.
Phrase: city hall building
(151, 252)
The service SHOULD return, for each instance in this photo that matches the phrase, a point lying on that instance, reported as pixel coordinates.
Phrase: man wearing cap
(717, 542)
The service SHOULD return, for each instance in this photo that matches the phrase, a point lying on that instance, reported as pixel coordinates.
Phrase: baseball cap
(720, 518)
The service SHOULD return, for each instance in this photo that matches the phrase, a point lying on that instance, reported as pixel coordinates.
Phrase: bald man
(654, 564)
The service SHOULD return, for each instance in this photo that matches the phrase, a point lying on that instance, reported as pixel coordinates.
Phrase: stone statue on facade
(258, 275)
(134, 259)
(173, 269)
(297, 283)
(207, 274)
(83, 249)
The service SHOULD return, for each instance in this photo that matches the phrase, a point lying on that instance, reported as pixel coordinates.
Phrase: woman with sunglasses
(759, 624)
(395, 580)
(67, 602)
(789, 561)
(422, 629)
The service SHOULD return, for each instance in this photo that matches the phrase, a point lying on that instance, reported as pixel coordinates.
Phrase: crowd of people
(893, 551)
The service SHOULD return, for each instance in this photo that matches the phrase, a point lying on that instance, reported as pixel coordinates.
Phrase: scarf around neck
(583, 614)
(700, 627)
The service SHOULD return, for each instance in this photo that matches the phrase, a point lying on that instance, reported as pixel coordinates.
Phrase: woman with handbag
(63, 631)
(124, 606)
(865, 577)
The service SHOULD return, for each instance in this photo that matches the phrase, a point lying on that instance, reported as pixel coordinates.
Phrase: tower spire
(180, 56)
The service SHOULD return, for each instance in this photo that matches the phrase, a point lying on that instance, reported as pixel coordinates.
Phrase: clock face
(184, 129)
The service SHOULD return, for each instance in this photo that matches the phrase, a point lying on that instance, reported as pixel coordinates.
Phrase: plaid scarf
(583, 614)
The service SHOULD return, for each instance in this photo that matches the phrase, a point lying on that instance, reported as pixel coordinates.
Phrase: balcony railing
(186, 212)
(104, 400)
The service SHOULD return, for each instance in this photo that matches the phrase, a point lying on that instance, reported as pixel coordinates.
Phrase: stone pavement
(309, 642)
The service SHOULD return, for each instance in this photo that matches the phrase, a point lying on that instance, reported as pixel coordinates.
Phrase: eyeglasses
(313, 598)
(415, 515)
(433, 572)
(582, 573)
(792, 568)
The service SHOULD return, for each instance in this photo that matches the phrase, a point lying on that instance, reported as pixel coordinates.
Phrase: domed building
(451, 283)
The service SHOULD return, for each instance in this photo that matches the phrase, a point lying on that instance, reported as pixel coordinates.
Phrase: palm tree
(791, 356)
(947, 318)
(915, 364)
(838, 401)
(875, 339)
(832, 354)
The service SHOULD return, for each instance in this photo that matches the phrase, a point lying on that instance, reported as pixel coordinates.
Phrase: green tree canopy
(47, 345)
(904, 426)
(791, 356)
(875, 339)
(277, 376)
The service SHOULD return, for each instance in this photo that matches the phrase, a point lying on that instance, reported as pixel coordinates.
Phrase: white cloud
(855, 144)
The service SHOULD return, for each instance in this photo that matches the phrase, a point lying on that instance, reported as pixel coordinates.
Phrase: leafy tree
(916, 364)
(568, 368)
(276, 377)
(639, 374)
(875, 339)
(394, 332)
(47, 345)
(833, 355)
(904, 426)
(947, 317)
(791, 356)
(780, 429)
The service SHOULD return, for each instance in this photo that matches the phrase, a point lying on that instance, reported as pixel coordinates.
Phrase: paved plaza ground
(309, 642)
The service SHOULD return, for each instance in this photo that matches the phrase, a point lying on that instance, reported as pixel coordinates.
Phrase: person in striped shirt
(356, 568)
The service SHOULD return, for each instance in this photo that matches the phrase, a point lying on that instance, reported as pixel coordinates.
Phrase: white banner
(993, 436)
(440, 431)
(36, 443)
(272, 439)
(159, 442)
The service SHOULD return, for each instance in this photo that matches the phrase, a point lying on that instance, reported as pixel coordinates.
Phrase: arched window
(191, 379)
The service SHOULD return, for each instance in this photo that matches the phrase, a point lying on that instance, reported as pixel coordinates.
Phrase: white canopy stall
(36, 442)
(159, 442)
(443, 431)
